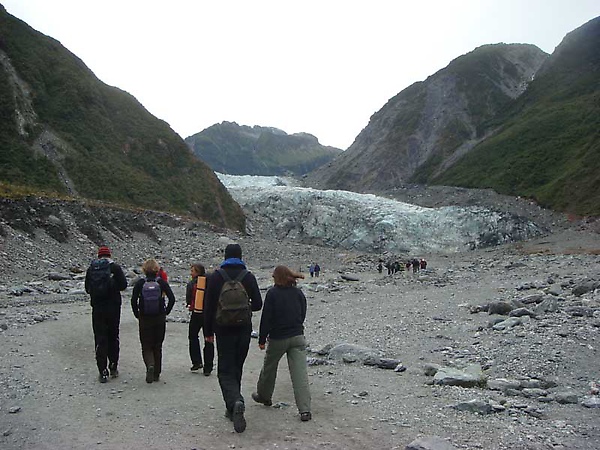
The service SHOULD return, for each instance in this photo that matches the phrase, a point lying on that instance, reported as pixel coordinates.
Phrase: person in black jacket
(152, 326)
(233, 342)
(282, 323)
(197, 322)
(106, 313)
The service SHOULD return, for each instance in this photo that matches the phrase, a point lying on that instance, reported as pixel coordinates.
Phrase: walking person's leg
(114, 323)
(100, 329)
(194, 341)
(296, 356)
(160, 329)
(265, 385)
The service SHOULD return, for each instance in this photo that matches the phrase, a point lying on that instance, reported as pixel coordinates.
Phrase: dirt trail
(68, 408)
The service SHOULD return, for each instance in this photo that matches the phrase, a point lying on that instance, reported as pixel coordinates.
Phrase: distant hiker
(227, 313)
(317, 269)
(380, 267)
(194, 299)
(415, 265)
(423, 264)
(408, 265)
(397, 267)
(311, 269)
(148, 306)
(282, 323)
(104, 281)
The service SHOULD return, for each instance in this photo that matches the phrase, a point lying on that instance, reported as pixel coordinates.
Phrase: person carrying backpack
(104, 281)
(194, 299)
(232, 293)
(282, 323)
(148, 306)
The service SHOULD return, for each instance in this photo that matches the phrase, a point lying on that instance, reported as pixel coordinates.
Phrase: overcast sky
(317, 66)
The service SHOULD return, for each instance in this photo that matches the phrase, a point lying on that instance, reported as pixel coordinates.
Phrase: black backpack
(100, 280)
(233, 306)
(151, 298)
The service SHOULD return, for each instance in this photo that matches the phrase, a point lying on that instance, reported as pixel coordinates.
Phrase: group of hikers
(314, 269)
(414, 265)
(221, 305)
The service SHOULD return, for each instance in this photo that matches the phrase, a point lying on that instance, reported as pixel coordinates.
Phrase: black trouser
(105, 325)
(196, 324)
(232, 350)
(152, 335)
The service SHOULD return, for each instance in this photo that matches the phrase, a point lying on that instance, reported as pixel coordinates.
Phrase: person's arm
(135, 295)
(302, 304)
(189, 292)
(211, 296)
(87, 281)
(167, 290)
(266, 320)
(119, 277)
(253, 290)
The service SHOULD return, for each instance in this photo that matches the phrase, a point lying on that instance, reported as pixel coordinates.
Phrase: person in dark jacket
(152, 327)
(233, 342)
(282, 323)
(106, 314)
(195, 303)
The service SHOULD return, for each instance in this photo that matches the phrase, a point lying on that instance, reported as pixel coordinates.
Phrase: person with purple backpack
(148, 306)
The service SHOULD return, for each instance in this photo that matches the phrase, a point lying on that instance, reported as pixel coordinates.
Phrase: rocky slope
(66, 133)
(427, 126)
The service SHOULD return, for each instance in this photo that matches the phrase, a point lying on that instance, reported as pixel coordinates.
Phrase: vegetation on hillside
(115, 150)
(548, 144)
(242, 150)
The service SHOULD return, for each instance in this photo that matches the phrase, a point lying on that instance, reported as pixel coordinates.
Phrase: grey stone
(508, 323)
(474, 406)
(520, 312)
(567, 397)
(468, 377)
(500, 307)
(503, 384)
(430, 443)
(591, 402)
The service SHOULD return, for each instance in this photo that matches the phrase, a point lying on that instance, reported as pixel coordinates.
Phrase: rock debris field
(491, 349)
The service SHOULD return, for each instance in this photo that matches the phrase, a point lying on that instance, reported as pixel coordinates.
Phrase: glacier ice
(366, 222)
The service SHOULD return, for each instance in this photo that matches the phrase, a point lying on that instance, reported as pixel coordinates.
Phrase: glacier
(280, 208)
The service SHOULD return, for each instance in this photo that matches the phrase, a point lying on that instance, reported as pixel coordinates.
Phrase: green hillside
(548, 144)
(62, 130)
(242, 150)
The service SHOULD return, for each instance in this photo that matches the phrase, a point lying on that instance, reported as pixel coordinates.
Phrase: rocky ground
(494, 349)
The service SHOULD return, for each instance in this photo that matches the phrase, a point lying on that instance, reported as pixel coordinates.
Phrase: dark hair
(233, 251)
(199, 268)
(285, 277)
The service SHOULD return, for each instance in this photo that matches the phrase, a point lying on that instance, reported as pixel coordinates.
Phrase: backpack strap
(224, 274)
(241, 275)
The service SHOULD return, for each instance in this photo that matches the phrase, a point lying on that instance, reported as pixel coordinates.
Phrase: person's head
(150, 267)
(233, 251)
(285, 277)
(197, 270)
(104, 252)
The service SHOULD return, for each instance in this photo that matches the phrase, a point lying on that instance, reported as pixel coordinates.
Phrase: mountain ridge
(243, 150)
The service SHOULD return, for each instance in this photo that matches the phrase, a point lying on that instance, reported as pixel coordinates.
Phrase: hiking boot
(114, 372)
(150, 374)
(239, 421)
(305, 416)
(103, 377)
(156, 377)
(258, 399)
(207, 373)
(196, 367)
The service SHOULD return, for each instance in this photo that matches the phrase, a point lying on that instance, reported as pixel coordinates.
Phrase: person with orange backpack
(194, 299)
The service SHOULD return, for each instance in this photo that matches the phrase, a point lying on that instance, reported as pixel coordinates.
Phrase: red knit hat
(103, 251)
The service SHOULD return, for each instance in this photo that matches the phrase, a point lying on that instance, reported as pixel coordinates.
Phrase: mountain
(548, 144)
(63, 132)
(424, 128)
(242, 150)
(505, 117)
